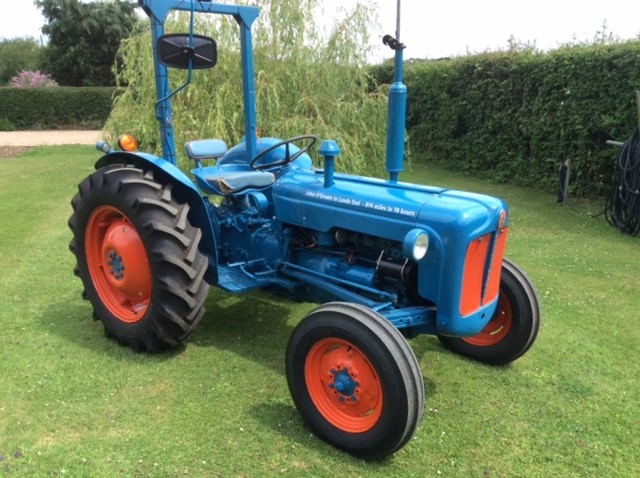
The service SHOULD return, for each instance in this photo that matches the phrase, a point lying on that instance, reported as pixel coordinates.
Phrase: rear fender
(184, 190)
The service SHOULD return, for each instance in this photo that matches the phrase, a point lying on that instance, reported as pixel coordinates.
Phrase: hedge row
(517, 116)
(55, 107)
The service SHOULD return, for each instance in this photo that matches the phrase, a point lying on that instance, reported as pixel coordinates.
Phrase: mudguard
(184, 190)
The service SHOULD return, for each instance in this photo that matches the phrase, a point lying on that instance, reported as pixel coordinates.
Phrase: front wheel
(137, 256)
(513, 327)
(355, 380)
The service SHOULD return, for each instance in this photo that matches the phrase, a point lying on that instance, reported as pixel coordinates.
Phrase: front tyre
(355, 380)
(513, 327)
(137, 256)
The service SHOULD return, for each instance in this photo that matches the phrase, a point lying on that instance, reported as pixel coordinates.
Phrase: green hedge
(55, 107)
(518, 115)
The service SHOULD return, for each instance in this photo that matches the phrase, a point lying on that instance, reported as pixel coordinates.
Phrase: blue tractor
(386, 260)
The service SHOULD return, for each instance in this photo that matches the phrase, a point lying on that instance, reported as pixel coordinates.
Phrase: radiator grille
(481, 273)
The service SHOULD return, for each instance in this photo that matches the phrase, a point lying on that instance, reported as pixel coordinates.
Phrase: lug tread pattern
(178, 267)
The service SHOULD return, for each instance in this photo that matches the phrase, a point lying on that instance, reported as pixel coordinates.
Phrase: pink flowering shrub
(32, 79)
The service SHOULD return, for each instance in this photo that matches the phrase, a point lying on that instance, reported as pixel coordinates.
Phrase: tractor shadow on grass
(72, 321)
(255, 326)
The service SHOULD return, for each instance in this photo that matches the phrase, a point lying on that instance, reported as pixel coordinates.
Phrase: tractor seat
(225, 179)
(232, 179)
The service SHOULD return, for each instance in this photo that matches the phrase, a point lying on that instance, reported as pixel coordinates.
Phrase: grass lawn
(73, 403)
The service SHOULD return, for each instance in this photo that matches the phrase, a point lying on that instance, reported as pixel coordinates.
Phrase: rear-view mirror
(181, 50)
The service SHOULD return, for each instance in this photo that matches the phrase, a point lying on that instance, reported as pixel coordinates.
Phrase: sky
(436, 29)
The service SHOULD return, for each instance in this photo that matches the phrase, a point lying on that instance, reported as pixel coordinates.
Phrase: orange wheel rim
(497, 328)
(343, 385)
(118, 264)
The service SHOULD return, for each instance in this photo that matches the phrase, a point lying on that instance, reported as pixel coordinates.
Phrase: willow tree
(308, 79)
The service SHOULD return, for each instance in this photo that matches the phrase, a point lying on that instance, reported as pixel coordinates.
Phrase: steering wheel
(288, 156)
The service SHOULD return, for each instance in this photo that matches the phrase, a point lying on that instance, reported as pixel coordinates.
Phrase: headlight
(502, 219)
(415, 244)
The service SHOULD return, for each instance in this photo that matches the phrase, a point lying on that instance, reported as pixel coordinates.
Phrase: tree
(84, 39)
(18, 55)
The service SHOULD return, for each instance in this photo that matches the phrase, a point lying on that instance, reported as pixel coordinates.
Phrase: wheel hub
(115, 262)
(126, 261)
(344, 384)
(118, 264)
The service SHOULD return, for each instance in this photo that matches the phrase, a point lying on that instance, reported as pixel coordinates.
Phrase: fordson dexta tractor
(385, 260)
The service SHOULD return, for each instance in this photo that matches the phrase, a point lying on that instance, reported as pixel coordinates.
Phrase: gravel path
(48, 137)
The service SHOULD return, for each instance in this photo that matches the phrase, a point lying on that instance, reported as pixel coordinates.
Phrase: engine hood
(382, 208)
(454, 221)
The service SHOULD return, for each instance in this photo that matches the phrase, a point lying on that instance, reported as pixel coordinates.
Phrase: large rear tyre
(512, 329)
(137, 256)
(355, 380)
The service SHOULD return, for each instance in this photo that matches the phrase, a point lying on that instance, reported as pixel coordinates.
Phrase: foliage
(17, 55)
(381, 74)
(76, 404)
(6, 124)
(84, 39)
(54, 108)
(517, 115)
(32, 79)
(306, 81)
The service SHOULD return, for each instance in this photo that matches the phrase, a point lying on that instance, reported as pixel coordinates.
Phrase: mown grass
(73, 403)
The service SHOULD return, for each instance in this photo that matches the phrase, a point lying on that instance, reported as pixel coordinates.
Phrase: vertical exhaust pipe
(397, 106)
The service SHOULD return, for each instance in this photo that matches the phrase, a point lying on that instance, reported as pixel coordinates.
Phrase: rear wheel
(138, 259)
(355, 380)
(513, 327)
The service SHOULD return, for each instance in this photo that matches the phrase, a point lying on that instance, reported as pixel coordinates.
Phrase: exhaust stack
(397, 107)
